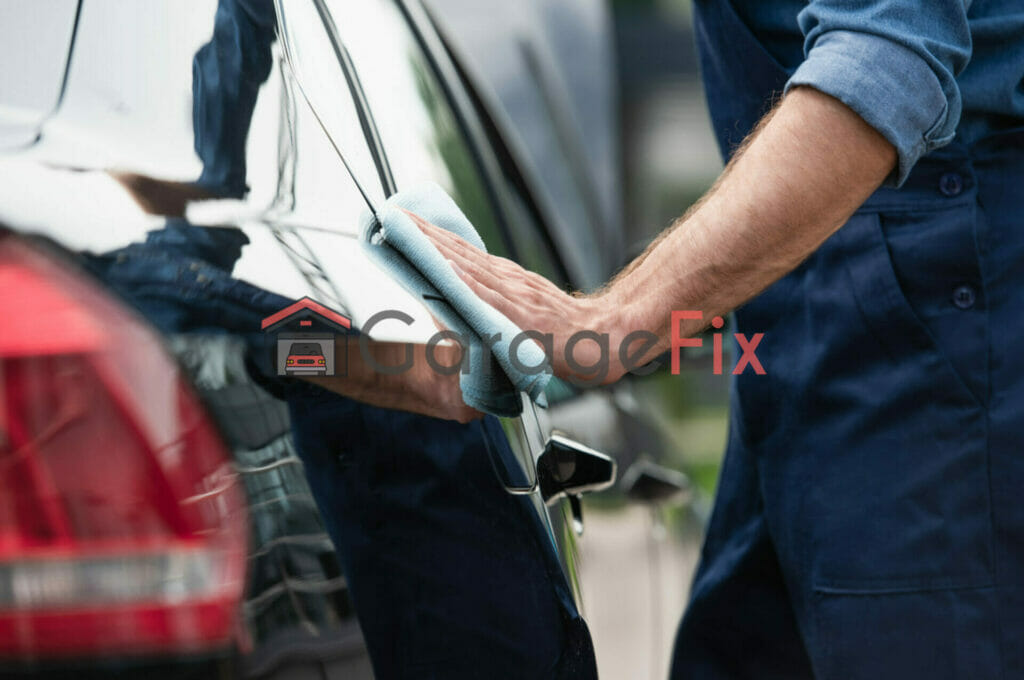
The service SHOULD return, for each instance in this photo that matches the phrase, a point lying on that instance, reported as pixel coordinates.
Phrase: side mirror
(568, 468)
(646, 482)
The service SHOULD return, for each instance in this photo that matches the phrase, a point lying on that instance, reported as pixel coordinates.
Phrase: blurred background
(669, 158)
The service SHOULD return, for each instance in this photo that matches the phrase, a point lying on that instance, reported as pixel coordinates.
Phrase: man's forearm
(418, 388)
(800, 176)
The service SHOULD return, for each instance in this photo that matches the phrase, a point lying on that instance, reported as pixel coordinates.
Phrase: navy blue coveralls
(869, 520)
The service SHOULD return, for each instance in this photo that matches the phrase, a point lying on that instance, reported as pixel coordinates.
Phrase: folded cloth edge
(398, 232)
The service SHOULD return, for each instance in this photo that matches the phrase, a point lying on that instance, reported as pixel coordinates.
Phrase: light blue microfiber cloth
(493, 382)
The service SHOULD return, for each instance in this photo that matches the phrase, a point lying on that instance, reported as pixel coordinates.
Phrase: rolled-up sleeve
(894, 62)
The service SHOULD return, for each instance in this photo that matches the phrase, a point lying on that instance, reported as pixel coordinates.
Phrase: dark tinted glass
(418, 128)
(306, 349)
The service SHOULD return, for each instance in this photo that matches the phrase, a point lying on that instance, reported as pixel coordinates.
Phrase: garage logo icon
(307, 335)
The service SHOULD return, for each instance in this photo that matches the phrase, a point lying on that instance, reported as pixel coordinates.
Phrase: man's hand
(530, 301)
(801, 174)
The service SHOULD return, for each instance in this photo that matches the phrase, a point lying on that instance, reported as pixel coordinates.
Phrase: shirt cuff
(891, 87)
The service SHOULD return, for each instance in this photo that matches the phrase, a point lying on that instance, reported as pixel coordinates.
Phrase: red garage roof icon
(304, 312)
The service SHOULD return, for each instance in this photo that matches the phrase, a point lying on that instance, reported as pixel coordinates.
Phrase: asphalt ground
(635, 580)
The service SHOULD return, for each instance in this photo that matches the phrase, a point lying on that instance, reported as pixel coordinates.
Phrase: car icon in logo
(305, 358)
(310, 339)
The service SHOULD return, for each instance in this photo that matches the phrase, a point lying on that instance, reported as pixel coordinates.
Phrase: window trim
(493, 157)
(371, 135)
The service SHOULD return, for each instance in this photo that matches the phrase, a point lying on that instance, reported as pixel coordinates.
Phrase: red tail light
(122, 525)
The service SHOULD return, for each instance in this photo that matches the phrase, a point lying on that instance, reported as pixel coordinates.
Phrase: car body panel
(126, 107)
(35, 57)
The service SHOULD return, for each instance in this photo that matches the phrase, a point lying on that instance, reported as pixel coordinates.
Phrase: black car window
(418, 130)
(306, 349)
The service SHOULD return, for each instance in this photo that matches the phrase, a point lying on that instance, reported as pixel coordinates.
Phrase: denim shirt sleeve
(894, 62)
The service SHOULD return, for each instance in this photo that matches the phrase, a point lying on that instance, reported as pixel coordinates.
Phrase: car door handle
(567, 468)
